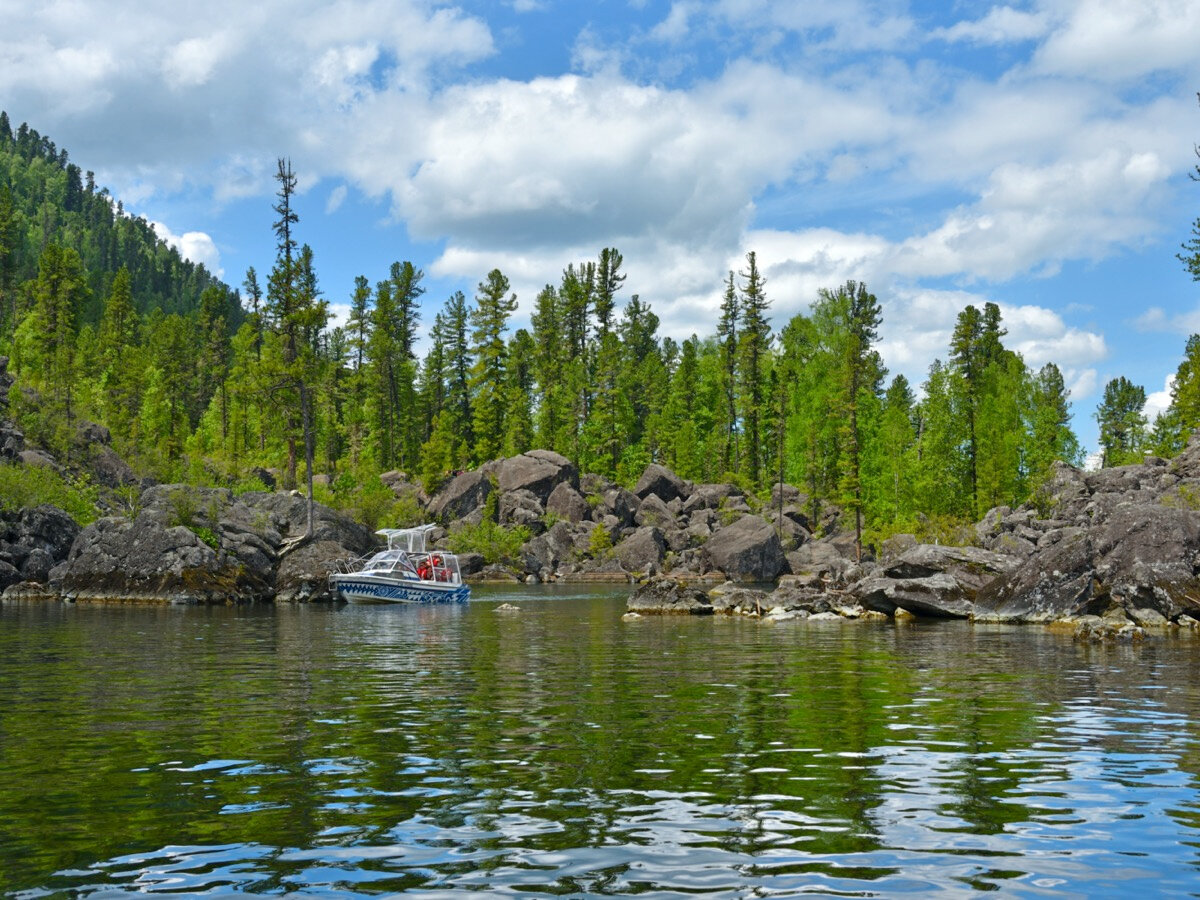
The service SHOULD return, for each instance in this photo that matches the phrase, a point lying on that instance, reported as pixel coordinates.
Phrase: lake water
(558, 750)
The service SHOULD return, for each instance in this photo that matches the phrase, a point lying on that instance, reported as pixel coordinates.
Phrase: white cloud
(192, 245)
(1001, 25)
(1158, 401)
(336, 198)
(1112, 40)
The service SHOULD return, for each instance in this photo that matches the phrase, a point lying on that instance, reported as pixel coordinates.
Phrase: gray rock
(116, 559)
(547, 552)
(10, 576)
(642, 551)
(303, 574)
(668, 596)
(1052, 584)
(662, 481)
(747, 550)
(462, 496)
(709, 496)
(522, 507)
(37, 566)
(567, 503)
(470, 564)
(617, 502)
(972, 567)
(938, 594)
(538, 471)
(653, 511)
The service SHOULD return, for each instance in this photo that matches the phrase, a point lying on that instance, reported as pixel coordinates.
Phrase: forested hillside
(105, 321)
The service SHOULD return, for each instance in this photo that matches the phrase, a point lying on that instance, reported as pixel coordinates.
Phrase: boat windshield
(388, 561)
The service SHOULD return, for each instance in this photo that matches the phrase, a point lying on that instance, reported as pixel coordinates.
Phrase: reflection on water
(560, 750)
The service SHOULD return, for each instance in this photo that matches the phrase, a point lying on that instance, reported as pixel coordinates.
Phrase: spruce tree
(1122, 422)
(493, 306)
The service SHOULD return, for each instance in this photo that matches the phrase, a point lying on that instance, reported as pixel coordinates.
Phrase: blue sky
(1034, 154)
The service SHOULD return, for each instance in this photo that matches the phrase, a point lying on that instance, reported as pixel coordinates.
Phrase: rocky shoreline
(1099, 551)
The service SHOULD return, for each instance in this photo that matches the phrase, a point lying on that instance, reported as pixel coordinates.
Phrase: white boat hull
(375, 589)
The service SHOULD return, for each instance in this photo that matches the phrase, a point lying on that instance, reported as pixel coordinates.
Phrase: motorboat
(406, 572)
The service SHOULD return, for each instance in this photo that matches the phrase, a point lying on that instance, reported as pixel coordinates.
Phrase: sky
(1036, 155)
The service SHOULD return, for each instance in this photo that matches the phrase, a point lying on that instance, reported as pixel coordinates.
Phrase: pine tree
(553, 417)
(849, 319)
(1122, 422)
(117, 346)
(728, 341)
(490, 320)
(1050, 434)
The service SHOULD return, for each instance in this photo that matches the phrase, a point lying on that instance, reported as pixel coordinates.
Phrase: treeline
(207, 397)
(45, 200)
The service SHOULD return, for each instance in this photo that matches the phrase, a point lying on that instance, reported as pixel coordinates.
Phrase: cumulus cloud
(192, 245)
(1112, 40)
(1158, 401)
(958, 180)
(1002, 24)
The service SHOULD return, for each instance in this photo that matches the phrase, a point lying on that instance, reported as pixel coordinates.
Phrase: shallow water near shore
(558, 750)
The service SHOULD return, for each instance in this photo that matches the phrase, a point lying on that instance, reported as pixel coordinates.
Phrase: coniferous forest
(199, 382)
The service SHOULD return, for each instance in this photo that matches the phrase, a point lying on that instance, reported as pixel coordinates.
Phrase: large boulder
(709, 496)
(1052, 584)
(463, 495)
(538, 471)
(566, 502)
(971, 567)
(116, 559)
(939, 594)
(653, 511)
(670, 597)
(522, 507)
(546, 553)
(303, 574)
(642, 551)
(662, 481)
(747, 550)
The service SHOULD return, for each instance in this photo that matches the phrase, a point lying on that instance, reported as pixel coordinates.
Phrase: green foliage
(1184, 496)
(950, 530)
(207, 535)
(600, 543)
(23, 487)
(495, 543)
(373, 503)
(1122, 422)
(184, 506)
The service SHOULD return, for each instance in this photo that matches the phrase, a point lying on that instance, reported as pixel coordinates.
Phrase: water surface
(557, 750)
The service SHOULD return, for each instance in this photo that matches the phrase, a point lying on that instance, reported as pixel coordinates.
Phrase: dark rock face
(938, 594)
(161, 556)
(567, 503)
(666, 596)
(932, 580)
(1053, 584)
(747, 550)
(642, 551)
(546, 553)
(303, 574)
(462, 496)
(522, 507)
(116, 559)
(33, 541)
(654, 511)
(538, 471)
(662, 481)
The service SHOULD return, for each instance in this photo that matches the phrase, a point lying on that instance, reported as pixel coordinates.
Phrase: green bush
(599, 543)
(494, 542)
(206, 534)
(22, 487)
